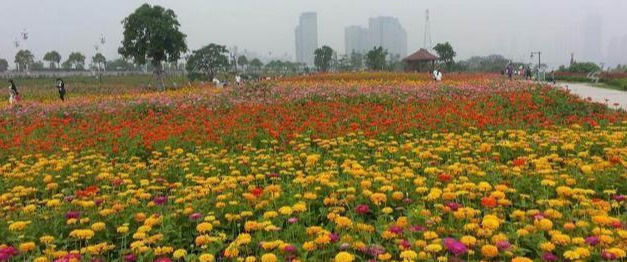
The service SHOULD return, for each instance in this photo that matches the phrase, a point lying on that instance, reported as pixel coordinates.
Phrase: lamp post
(539, 62)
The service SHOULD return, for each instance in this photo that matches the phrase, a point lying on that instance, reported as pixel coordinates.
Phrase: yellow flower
(521, 259)
(490, 222)
(489, 251)
(344, 257)
(543, 224)
(26, 247)
(18, 225)
(433, 248)
(179, 253)
(409, 255)
(84, 234)
(99, 226)
(204, 227)
(286, 211)
(378, 198)
(547, 246)
(571, 255)
(206, 258)
(122, 229)
(468, 240)
(343, 222)
(46, 239)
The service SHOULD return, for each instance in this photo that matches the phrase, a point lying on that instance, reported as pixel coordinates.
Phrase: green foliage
(76, 60)
(446, 53)
(357, 60)
(323, 57)
(4, 65)
(99, 60)
(37, 66)
(207, 61)
(120, 64)
(24, 59)
(375, 58)
(53, 58)
(584, 67)
(491, 63)
(152, 33)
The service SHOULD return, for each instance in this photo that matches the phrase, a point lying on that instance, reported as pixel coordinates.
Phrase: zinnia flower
(455, 247)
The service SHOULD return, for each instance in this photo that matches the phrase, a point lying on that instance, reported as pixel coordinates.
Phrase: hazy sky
(474, 27)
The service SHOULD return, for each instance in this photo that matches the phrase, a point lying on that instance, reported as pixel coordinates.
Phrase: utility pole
(539, 62)
(427, 38)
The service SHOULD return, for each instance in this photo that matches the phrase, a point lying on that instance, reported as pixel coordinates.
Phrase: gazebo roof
(421, 55)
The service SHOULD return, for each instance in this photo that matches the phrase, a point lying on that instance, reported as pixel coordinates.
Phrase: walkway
(614, 98)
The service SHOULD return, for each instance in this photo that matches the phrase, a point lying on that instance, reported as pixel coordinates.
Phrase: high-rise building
(356, 40)
(388, 33)
(306, 38)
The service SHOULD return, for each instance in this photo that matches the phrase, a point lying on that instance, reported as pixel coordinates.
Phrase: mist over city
(591, 30)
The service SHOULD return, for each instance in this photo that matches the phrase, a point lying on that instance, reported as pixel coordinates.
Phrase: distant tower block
(427, 40)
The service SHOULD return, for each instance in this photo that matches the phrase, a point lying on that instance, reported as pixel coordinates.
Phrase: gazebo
(421, 61)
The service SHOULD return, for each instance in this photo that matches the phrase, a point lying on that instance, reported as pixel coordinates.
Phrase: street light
(539, 62)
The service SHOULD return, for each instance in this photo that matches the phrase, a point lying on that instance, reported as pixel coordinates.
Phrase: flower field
(342, 167)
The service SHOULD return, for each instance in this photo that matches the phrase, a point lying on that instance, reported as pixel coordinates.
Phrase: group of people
(14, 95)
(510, 71)
(436, 75)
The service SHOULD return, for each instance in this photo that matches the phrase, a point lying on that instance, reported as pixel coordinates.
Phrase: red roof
(421, 55)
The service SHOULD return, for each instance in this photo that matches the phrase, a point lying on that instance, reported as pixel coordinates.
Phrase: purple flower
(503, 245)
(130, 258)
(396, 229)
(405, 244)
(620, 198)
(453, 206)
(417, 228)
(72, 214)
(334, 237)
(592, 240)
(376, 250)
(195, 216)
(549, 257)
(608, 256)
(289, 249)
(455, 247)
(160, 200)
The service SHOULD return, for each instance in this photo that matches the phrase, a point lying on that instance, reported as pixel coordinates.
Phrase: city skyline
(306, 38)
(473, 27)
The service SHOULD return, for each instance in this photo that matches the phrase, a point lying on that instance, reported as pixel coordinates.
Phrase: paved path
(598, 94)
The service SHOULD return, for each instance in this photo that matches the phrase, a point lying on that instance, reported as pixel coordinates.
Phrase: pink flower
(549, 257)
(503, 245)
(592, 240)
(163, 259)
(362, 209)
(130, 258)
(195, 216)
(455, 247)
(160, 200)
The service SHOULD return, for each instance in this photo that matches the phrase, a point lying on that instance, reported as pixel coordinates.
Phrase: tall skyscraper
(306, 38)
(356, 40)
(387, 32)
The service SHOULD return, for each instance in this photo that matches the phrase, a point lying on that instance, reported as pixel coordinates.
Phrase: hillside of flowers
(339, 167)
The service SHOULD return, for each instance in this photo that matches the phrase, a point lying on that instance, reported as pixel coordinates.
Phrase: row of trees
(25, 60)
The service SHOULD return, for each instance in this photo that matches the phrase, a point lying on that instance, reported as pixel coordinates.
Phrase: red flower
(488, 202)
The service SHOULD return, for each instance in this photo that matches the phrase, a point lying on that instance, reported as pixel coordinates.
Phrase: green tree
(584, 67)
(207, 61)
(356, 60)
(53, 58)
(256, 64)
(4, 65)
(76, 60)
(119, 65)
(24, 59)
(446, 53)
(37, 65)
(151, 33)
(99, 61)
(242, 61)
(323, 57)
(375, 58)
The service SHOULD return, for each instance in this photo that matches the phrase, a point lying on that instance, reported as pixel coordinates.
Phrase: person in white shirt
(13, 93)
(238, 79)
(437, 75)
(216, 82)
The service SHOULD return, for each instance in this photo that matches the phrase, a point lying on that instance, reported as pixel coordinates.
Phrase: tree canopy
(207, 61)
(583, 67)
(446, 53)
(4, 65)
(24, 59)
(151, 33)
(99, 60)
(76, 60)
(323, 57)
(375, 58)
(53, 58)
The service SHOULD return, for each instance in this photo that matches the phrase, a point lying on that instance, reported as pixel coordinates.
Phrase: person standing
(510, 70)
(14, 95)
(61, 88)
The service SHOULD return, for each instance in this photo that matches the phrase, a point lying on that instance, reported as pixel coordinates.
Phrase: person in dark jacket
(14, 95)
(61, 88)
